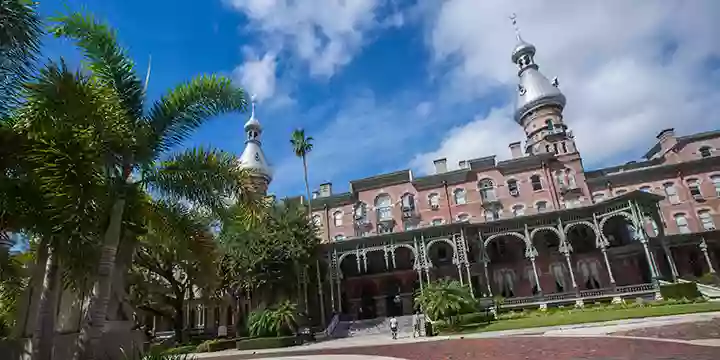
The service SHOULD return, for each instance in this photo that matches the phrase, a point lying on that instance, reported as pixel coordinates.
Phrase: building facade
(536, 230)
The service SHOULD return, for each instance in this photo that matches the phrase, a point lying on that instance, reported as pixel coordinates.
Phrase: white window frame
(458, 195)
(672, 196)
(681, 221)
(706, 219)
(338, 218)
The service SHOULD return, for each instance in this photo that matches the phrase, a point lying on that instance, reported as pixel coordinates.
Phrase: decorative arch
(601, 226)
(586, 223)
(408, 246)
(382, 196)
(486, 180)
(545, 228)
(445, 240)
(509, 233)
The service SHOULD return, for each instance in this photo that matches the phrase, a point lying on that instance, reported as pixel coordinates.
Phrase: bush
(687, 290)
(475, 318)
(266, 343)
(180, 350)
(216, 345)
(709, 279)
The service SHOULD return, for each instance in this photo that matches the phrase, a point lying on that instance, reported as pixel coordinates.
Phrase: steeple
(534, 89)
(539, 103)
(252, 157)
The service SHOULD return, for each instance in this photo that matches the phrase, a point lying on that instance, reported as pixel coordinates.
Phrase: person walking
(393, 327)
(416, 323)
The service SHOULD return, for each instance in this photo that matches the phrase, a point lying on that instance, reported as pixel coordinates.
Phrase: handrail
(333, 324)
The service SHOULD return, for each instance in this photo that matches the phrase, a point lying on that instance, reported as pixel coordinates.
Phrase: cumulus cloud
(257, 75)
(323, 34)
(627, 68)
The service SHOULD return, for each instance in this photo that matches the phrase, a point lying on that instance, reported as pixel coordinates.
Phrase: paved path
(582, 336)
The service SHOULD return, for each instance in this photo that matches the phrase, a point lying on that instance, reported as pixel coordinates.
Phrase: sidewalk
(583, 330)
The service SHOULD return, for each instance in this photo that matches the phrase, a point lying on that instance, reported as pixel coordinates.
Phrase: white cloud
(257, 75)
(324, 34)
(627, 68)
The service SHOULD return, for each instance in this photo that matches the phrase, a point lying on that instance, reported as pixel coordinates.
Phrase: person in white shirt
(393, 327)
(416, 323)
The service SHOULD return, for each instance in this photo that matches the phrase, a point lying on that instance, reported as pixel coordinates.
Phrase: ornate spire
(534, 89)
(252, 157)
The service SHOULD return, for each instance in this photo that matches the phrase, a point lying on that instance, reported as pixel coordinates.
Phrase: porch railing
(567, 297)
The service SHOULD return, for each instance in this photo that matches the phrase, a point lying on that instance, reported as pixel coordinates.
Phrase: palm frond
(20, 31)
(177, 114)
(106, 58)
(301, 145)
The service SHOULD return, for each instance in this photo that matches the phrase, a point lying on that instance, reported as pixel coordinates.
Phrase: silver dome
(535, 90)
(252, 157)
(522, 48)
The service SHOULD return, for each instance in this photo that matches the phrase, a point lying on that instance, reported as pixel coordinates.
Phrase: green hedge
(216, 345)
(186, 349)
(266, 343)
(678, 291)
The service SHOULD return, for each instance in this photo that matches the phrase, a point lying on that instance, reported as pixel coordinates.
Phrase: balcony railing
(629, 291)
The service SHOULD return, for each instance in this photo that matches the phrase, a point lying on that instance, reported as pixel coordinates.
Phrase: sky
(385, 85)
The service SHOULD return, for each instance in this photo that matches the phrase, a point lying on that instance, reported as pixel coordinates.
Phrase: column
(566, 249)
(640, 234)
(487, 278)
(333, 272)
(671, 261)
(320, 293)
(535, 273)
(418, 262)
(704, 248)
(426, 263)
(603, 244)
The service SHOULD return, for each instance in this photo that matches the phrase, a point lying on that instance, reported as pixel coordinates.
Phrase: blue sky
(385, 85)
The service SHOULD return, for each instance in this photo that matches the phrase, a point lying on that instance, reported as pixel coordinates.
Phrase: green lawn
(567, 317)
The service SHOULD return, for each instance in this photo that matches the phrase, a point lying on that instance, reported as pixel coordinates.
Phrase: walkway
(581, 341)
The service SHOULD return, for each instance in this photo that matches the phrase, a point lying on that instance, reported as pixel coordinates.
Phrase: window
(560, 178)
(360, 211)
(705, 151)
(487, 190)
(646, 188)
(694, 186)
(598, 197)
(513, 187)
(316, 220)
(535, 181)
(569, 204)
(459, 195)
(408, 202)
(716, 181)
(383, 206)
(337, 218)
(408, 225)
(437, 222)
(549, 124)
(434, 200)
(541, 206)
(463, 218)
(571, 179)
(518, 210)
(706, 220)
(491, 215)
(564, 147)
(682, 224)
(339, 237)
(620, 192)
(671, 193)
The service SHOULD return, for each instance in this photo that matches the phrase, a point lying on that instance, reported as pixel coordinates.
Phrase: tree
(176, 256)
(302, 146)
(169, 121)
(19, 42)
(444, 300)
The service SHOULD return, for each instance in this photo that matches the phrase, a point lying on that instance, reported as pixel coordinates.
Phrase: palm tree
(199, 176)
(302, 146)
(19, 42)
(444, 300)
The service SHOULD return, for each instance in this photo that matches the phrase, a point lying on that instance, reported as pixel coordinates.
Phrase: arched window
(383, 206)
(437, 222)
(434, 200)
(317, 220)
(671, 193)
(694, 187)
(408, 202)
(463, 218)
(549, 124)
(570, 178)
(598, 197)
(536, 183)
(682, 224)
(459, 195)
(491, 215)
(338, 218)
(487, 189)
(541, 206)
(513, 187)
(518, 210)
(339, 237)
(716, 181)
(706, 220)
(705, 151)
(560, 176)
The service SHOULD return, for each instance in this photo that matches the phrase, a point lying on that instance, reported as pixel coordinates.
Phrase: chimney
(315, 194)
(325, 189)
(515, 150)
(440, 165)
(462, 164)
(667, 139)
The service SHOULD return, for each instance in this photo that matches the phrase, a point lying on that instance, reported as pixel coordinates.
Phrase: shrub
(475, 318)
(445, 300)
(216, 345)
(278, 320)
(266, 343)
(687, 290)
(180, 350)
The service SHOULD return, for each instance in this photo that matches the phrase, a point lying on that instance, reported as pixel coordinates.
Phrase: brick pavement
(688, 331)
(526, 348)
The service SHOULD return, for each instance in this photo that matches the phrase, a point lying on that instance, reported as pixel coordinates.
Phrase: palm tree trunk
(91, 332)
(44, 332)
(179, 321)
(27, 316)
(307, 185)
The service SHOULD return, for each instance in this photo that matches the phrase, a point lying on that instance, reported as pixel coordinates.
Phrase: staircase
(379, 326)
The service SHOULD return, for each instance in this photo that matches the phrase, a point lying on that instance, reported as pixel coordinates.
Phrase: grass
(568, 317)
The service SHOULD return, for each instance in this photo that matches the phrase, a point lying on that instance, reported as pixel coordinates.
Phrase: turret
(252, 157)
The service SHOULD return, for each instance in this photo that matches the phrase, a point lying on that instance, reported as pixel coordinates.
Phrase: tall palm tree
(302, 146)
(199, 176)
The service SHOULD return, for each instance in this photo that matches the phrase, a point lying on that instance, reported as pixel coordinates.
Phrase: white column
(607, 265)
(570, 269)
(467, 269)
(487, 278)
(537, 278)
(320, 293)
(704, 249)
(671, 261)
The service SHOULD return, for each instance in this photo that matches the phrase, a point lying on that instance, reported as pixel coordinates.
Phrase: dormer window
(705, 151)
(408, 202)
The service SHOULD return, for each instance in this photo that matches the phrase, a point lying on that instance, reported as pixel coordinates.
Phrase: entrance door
(393, 305)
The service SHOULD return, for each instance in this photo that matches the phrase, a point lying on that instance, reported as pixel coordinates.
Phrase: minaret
(539, 104)
(252, 157)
